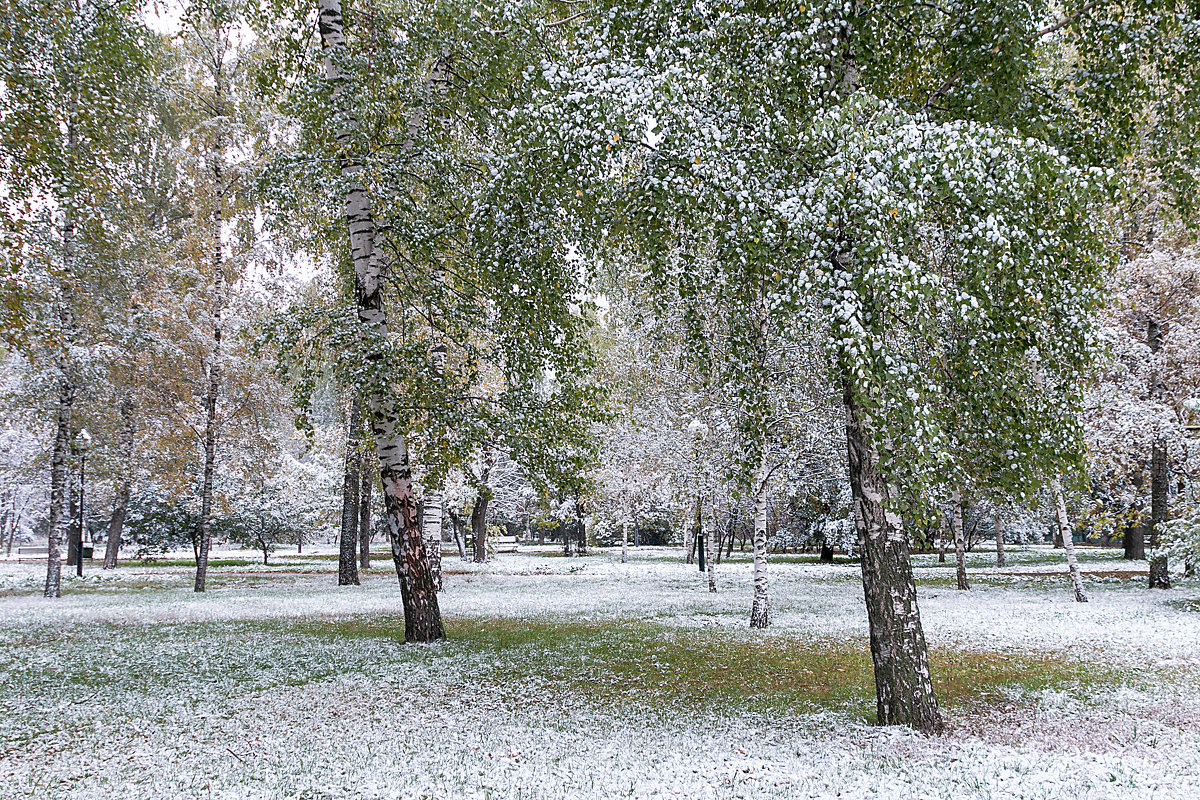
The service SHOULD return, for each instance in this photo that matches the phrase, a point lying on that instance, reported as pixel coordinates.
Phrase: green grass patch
(644, 663)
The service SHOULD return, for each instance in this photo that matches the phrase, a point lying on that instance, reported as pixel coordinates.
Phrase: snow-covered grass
(585, 678)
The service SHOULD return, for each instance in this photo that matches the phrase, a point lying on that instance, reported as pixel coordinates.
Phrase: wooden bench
(505, 544)
(32, 554)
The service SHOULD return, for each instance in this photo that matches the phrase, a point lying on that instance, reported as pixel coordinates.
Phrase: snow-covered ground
(131, 686)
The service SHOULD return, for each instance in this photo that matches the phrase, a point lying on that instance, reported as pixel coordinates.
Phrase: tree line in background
(799, 274)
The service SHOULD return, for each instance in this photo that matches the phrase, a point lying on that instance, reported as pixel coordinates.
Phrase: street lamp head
(697, 429)
(84, 441)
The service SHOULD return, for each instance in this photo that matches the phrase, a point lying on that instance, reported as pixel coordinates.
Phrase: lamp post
(82, 444)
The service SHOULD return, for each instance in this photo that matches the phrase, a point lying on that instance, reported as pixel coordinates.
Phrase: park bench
(505, 544)
(32, 553)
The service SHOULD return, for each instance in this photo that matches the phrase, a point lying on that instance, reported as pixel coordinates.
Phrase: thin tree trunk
(903, 685)
(960, 553)
(760, 612)
(689, 543)
(58, 486)
(459, 539)
(1000, 560)
(714, 551)
(422, 617)
(351, 486)
(364, 514)
(214, 375)
(698, 536)
(1064, 526)
(624, 542)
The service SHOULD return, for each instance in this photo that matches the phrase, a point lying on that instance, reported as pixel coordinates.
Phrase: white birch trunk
(431, 523)
(422, 617)
(624, 542)
(960, 544)
(1064, 525)
(759, 611)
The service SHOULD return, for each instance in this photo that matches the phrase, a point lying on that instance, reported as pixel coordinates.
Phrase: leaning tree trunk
(364, 514)
(903, 685)
(116, 525)
(760, 612)
(1064, 527)
(351, 484)
(960, 549)
(422, 617)
(1000, 560)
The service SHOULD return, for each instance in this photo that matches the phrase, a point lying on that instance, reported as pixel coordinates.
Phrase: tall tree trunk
(364, 513)
(760, 612)
(479, 523)
(624, 542)
(903, 685)
(1064, 527)
(422, 617)
(58, 485)
(1000, 560)
(351, 486)
(698, 535)
(1160, 577)
(116, 525)
(431, 524)
(960, 552)
(66, 382)
(214, 375)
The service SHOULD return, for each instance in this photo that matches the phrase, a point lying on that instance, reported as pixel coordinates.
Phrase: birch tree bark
(59, 479)
(624, 542)
(422, 617)
(431, 522)
(66, 381)
(116, 525)
(903, 685)
(960, 546)
(1064, 527)
(760, 615)
(214, 366)
(348, 538)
